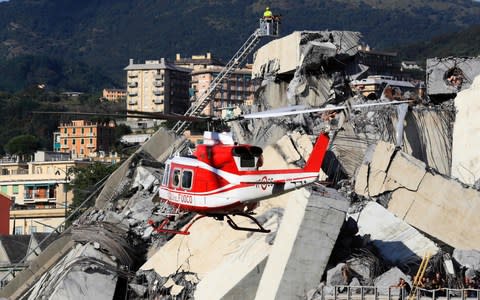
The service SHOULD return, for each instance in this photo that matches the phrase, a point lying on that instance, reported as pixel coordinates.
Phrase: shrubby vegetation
(17, 117)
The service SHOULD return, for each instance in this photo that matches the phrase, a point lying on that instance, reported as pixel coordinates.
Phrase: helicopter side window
(176, 177)
(187, 177)
(166, 175)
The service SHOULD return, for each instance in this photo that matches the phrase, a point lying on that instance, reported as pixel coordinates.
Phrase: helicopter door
(186, 185)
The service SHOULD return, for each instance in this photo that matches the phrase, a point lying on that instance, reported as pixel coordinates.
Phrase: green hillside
(94, 39)
(462, 43)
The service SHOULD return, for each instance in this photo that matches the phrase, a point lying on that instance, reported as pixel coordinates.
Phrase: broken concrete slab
(302, 248)
(448, 213)
(287, 51)
(303, 144)
(145, 177)
(406, 171)
(421, 203)
(466, 140)
(450, 75)
(383, 158)
(468, 258)
(425, 137)
(83, 271)
(397, 242)
(335, 276)
(287, 149)
(389, 278)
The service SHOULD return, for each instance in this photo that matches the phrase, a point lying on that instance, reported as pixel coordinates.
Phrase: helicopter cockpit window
(187, 179)
(248, 157)
(176, 177)
(166, 175)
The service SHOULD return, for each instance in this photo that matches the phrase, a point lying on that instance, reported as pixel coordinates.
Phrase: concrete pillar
(303, 245)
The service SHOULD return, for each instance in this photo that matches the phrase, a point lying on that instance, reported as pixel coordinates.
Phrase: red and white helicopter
(223, 179)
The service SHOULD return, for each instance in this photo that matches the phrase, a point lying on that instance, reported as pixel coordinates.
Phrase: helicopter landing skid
(161, 228)
(234, 225)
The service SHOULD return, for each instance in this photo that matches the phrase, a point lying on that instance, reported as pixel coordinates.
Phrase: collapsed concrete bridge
(392, 199)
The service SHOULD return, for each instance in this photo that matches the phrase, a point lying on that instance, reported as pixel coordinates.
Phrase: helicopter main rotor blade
(297, 109)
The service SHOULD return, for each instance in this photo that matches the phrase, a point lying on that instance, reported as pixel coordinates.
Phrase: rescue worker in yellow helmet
(267, 14)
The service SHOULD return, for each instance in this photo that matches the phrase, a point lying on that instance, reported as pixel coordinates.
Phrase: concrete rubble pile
(390, 199)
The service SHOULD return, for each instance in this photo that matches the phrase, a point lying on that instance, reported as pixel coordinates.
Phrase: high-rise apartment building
(84, 139)
(235, 91)
(157, 86)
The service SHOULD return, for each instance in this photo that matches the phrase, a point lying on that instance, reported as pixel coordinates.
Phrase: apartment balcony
(90, 146)
(42, 194)
(158, 92)
(133, 94)
(132, 84)
(132, 75)
(158, 83)
(158, 101)
(132, 102)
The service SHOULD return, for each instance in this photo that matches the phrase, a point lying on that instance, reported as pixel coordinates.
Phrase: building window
(65, 141)
(33, 229)
(73, 141)
(83, 131)
(82, 141)
(65, 130)
(15, 189)
(91, 141)
(18, 230)
(91, 129)
(3, 189)
(73, 130)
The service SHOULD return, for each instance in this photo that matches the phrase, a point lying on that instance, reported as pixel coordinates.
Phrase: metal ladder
(418, 277)
(234, 62)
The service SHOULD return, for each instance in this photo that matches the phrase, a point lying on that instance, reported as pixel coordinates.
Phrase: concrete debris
(448, 76)
(83, 271)
(416, 198)
(468, 258)
(139, 290)
(338, 275)
(397, 242)
(306, 54)
(291, 268)
(387, 167)
(466, 140)
(287, 149)
(389, 278)
(146, 177)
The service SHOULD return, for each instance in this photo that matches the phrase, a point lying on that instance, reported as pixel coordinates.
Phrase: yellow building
(85, 139)
(38, 190)
(235, 91)
(157, 86)
(113, 95)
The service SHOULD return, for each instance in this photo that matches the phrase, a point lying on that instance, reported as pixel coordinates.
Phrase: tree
(84, 182)
(22, 145)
